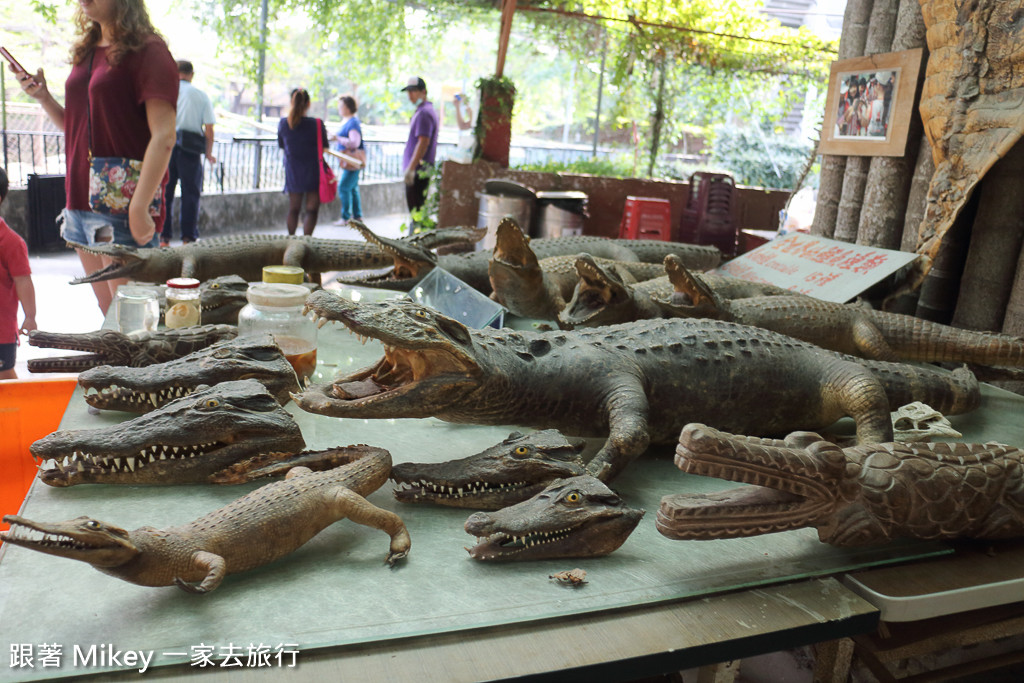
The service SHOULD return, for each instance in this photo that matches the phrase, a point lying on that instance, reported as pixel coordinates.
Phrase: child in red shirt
(15, 286)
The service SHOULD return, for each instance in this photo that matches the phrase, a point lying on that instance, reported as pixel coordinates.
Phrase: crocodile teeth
(153, 399)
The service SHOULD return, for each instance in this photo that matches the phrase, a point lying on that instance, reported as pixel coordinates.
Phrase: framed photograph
(869, 104)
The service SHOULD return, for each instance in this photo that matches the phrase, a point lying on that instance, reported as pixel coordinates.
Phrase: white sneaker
(341, 222)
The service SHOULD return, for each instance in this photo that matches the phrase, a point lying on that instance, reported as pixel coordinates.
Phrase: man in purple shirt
(421, 147)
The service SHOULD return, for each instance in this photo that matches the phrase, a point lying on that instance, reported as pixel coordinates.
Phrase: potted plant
(494, 122)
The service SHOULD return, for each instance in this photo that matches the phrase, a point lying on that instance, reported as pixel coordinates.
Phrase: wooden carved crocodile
(252, 531)
(865, 494)
(635, 384)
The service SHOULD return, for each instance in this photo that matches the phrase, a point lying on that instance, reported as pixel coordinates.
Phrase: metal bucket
(555, 222)
(495, 207)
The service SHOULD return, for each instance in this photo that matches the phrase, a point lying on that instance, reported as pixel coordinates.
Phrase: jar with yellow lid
(184, 307)
(292, 275)
(277, 308)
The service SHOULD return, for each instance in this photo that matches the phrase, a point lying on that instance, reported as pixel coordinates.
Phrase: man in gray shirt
(195, 139)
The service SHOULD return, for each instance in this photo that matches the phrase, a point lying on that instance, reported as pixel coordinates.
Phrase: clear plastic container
(277, 308)
(184, 307)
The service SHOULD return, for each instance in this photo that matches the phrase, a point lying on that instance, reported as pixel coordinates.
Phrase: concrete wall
(221, 214)
(753, 208)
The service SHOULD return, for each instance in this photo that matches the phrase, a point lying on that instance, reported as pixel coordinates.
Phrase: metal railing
(252, 163)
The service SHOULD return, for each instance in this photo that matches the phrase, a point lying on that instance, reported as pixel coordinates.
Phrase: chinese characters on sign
(54, 655)
(824, 268)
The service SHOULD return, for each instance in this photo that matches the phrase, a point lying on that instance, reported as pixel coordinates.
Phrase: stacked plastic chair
(707, 217)
(646, 218)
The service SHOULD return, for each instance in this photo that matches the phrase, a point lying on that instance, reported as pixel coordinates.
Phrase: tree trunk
(942, 283)
(851, 44)
(996, 241)
(881, 30)
(888, 181)
(659, 118)
(918, 197)
(1013, 322)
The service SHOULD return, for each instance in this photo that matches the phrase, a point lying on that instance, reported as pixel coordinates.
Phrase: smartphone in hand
(14, 62)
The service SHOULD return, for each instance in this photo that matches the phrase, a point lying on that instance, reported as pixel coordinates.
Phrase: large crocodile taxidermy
(635, 384)
(246, 255)
(139, 390)
(188, 440)
(865, 494)
(601, 297)
(110, 347)
(576, 517)
(538, 288)
(502, 475)
(412, 263)
(850, 328)
(254, 530)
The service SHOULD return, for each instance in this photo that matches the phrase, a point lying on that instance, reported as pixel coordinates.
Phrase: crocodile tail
(916, 339)
(950, 393)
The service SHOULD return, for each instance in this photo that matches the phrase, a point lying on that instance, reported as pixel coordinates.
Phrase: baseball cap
(414, 83)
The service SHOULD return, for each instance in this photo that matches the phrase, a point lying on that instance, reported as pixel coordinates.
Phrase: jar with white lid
(276, 308)
(184, 305)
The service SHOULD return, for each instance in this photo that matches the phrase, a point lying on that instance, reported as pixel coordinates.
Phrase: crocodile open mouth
(114, 395)
(63, 471)
(503, 546)
(399, 371)
(425, 491)
(28, 534)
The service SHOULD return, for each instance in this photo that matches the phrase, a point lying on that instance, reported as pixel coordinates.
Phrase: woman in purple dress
(296, 135)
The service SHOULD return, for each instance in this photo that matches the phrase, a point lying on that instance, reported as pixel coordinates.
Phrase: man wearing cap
(194, 124)
(421, 147)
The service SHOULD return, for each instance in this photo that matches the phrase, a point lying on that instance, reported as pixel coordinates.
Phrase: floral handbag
(112, 180)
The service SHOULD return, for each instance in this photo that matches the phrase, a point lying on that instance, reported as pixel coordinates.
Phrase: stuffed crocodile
(602, 297)
(110, 347)
(252, 531)
(533, 288)
(576, 517)
(412, 263)
(245, 256)
(504, 474)
(865, 494)
(635, 384)
(139, 390)
(847, 328)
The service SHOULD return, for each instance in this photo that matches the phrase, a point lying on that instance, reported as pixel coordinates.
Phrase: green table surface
(336, 591)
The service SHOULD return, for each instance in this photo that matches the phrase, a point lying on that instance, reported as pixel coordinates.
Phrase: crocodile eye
(222, 353)
(573, 497)
(92, 524)
(212, 403)
(521, 450)
(213, 286)
(422, 314)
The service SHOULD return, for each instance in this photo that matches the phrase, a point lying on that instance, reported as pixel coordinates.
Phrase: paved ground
(63, 307)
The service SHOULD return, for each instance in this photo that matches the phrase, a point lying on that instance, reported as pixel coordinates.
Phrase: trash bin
(45, 202)
(503, 198)
(560, 214)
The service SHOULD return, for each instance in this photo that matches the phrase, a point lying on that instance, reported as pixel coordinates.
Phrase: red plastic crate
(646, 218)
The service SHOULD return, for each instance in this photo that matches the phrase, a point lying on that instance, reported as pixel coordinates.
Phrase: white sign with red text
(824, 268)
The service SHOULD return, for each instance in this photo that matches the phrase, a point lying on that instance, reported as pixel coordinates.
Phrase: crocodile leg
(849, 389)
(628, 436)
(870, 342)
(345, 502)
(215, 568)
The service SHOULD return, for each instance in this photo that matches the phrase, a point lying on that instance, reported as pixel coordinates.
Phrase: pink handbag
(328, 181)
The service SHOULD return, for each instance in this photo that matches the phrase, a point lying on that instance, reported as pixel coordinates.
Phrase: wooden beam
(508, 8)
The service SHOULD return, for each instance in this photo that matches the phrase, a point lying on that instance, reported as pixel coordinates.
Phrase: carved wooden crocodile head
(185, 441)
(504, 474)
(577, 517)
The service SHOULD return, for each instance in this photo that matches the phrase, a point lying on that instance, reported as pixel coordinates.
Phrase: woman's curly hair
(132, 27)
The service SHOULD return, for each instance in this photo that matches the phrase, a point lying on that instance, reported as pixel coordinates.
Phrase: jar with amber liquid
(277, 308)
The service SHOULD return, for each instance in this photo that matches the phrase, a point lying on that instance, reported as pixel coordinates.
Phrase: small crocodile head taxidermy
(576, 517)
(411, 262)
(865, 494)
(504, 474)
(516, 276)
(110, 347)
(186, 441)
(139, 390)
(601, 297)
(692, 298)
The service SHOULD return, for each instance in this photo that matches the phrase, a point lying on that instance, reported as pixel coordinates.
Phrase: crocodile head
(152, 265)
(110, 347)
(576, 517)
(139, 390)
(504, 474)
(794, 487)
(692, 297)
(82, 538)
(428, 364)
(600, 297)
(412, 262)
(185, 441)
(516, 276)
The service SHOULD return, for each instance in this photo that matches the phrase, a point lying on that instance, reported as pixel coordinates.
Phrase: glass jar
(137, 309)
(184, 307)
(277, 308)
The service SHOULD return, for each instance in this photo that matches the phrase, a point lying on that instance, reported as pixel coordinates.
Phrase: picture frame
(869, 104)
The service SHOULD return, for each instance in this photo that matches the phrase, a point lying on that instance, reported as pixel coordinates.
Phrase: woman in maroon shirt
(120, 100)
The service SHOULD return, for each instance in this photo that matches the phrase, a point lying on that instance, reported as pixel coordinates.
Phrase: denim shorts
(83, 227)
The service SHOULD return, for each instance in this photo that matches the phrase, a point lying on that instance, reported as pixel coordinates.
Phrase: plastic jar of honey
(277, 308)
(184, 307)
